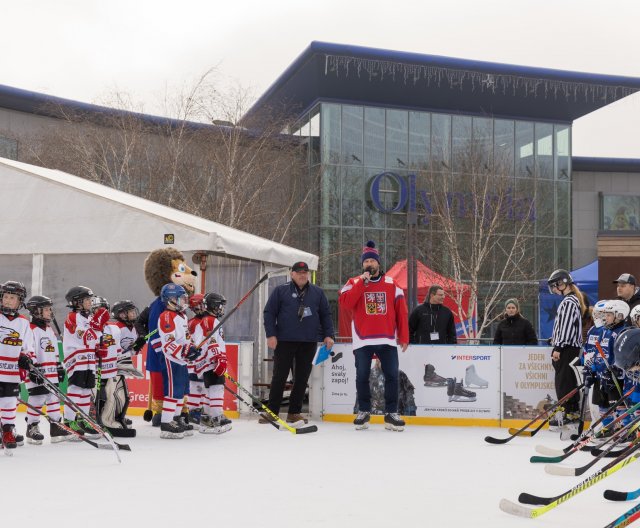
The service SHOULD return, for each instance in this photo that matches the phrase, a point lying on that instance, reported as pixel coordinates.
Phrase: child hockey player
(590, 349)
(197, 391)
(177, 349)
(47, 361)
(16, 349)
(81, 343)
(607, 380)
(213, 420)
(627, 358)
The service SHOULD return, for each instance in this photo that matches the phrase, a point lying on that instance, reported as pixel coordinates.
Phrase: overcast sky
(87, 49)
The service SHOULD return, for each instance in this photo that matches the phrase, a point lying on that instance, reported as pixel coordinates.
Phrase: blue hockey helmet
(627, 349)
(175, 297)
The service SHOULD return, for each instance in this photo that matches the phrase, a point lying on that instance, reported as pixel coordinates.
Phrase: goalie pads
(114, 409)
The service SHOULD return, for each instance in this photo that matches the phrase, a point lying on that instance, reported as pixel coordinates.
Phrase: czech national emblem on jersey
(375, 303)
(10, 337)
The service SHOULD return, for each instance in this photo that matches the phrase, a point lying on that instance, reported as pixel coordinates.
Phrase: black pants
(283, 359)
(565, 378)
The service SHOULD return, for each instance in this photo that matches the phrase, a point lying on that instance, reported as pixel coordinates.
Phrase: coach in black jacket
(514, 329)
(432, 323)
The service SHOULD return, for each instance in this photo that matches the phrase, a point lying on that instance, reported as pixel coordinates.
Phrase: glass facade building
(351, 146)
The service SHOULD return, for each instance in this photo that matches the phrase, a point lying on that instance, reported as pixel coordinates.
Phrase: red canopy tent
(426, 278)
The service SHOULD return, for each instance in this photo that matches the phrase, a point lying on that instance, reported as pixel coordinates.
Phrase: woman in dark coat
(514, 329)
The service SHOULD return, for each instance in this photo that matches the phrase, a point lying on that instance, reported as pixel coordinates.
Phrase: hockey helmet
(174, 296)
(619, 309)
(99, 302)
(598, 313)
(120, 311)
(558, 277)
(635, 316)
(196, 303)
(36, 304)
(627, 349)
(214, 303)
(15, 288)
(76, 295)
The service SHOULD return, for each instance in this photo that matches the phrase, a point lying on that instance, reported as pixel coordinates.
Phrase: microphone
(368, 268)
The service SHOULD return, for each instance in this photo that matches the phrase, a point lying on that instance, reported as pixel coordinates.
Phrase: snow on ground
(256, 476)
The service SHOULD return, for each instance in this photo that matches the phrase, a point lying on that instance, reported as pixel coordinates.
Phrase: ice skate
(217, 425)
(431, 379)
(393, 422)
(471, 378)
(89, 431)
(75, 426)
(569, 426)
(171, 430)
(34, 436)
(457, 393)
(195, 415)
(187, 428)
(556, 421)
(362, 420)
(8, 439)
(58, 434)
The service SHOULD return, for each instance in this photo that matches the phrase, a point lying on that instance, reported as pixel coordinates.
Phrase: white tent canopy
(59, 213)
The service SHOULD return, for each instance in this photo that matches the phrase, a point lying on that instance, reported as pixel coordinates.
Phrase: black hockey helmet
(76, 295)
(16, 288)
(626, 350)
(214, 304)
(558, 277)
(35, 305)
(120, 311)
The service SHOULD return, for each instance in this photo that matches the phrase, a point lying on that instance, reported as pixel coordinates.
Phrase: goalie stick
(278, 421)
(544, 414)
(549, 503)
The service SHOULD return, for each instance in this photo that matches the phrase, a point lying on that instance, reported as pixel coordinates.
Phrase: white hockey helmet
(597, 313)
(635, 316)
(619, 309)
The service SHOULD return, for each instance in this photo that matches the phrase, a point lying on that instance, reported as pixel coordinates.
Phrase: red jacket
(380, 315)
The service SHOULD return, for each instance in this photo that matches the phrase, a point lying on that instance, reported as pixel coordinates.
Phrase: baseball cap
(626, 278)
(300, 266)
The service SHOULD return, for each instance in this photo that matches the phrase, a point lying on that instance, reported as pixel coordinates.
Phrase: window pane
(397, 138)
(563, 200)
(563, 151)
(330, 197)
(483, 144)
(441, 142)
(352, 135)
(373, 217)
(524, 150)
(374, 137)
(461, 146)
(329, 261)
(352, 197)
(314, 136)
(330, 133)
(419, 139)
(544, 151)
(503, 147)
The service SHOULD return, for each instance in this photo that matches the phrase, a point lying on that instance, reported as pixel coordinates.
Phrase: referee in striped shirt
(566, 338)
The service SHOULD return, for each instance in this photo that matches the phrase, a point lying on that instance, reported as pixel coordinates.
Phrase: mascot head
(168, 265)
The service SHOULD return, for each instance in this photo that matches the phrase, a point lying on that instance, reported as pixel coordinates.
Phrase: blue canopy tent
(587, 280)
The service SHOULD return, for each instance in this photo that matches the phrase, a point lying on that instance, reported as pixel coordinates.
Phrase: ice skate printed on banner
(457, 393)
(431, 378)
(472, 380)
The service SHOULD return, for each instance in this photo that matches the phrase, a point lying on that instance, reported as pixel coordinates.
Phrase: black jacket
(515, 330)
(428, 318)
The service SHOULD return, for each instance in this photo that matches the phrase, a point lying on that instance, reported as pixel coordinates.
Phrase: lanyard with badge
(303, 311)
(434, 335)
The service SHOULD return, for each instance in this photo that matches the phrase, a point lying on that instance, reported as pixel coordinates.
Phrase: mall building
(374, 122)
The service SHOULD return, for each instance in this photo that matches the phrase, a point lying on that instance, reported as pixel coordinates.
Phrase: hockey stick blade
(306, 429)
(548, 451)
(516, 509)
(620, 496)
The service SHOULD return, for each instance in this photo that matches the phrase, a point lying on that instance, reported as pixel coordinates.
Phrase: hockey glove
(102, 352)
(24, 362)
(33, 374)
(138, 344)
(99, 319)
(589, 377)
(61, 372)
(607, 383)
(221, 364)
(191, 353)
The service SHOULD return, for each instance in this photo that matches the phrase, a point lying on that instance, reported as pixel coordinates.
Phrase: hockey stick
(67, 401)
(240, 302)
(606, 364)
(613, 495)
(528, 434)
(555, 455)
(544, 414)
(615, 441)
(626, 518)
(583, 406)
(550, 503)
(276, 418)
(543, 450)
(64, 426)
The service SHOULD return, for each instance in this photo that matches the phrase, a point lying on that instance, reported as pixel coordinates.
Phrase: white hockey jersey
(128, 336)
(79, 344)
(46, 353)
(16, 337)
(211, 347)
(173, 329)
(111, 341)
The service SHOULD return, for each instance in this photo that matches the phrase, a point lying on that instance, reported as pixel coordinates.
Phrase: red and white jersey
(128, 335)
(110, 341)
(380, 315)
(79, 344)
(211, 346)
(16, 337)
(46, 353)
(173, 329)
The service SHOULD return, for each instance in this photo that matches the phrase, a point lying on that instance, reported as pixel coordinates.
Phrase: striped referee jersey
(567, 327)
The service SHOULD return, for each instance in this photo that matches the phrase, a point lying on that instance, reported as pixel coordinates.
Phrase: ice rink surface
(256, 476)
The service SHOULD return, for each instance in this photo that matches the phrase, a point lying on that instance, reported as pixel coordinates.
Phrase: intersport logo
(467, 357)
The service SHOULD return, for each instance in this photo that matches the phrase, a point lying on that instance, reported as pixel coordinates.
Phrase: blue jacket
(281, 314)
